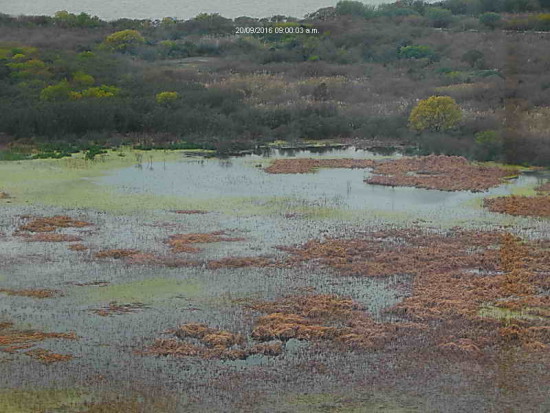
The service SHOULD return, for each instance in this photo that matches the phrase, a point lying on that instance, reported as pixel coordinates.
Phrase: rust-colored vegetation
(50, 224)
(191, 212)
(445, 173)
(47, 356)
(14, 341)
(78, 247)
(34, 293)
(241, 262)
(390, 252)
(451, 300)
(308, 165)
(4, 195)
(455, 275)
(116, 253)
(322, 318)
(183, 242)
(536, 206)
(199, 340)
(116, 309)
(51, 237)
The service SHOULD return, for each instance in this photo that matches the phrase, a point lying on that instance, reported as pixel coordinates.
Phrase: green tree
(491, 20)
(167, 98)
(439, 17)
(474, 58)
(416, 52)
(435, 113)
(124, 40)
(58, 92)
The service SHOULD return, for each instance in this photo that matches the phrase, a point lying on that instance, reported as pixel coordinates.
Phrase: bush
(491, 20)
(439, 17)
(124, 41)
(166, 98)
(437, 113)
(417, 52)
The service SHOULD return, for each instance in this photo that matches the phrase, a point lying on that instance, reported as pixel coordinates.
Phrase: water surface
(182, 9)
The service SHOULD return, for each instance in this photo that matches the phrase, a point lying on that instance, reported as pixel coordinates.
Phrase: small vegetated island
(318, 292)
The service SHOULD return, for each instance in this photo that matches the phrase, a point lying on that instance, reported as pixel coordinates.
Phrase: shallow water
(341, 189)
(144, 9)
(267, 211)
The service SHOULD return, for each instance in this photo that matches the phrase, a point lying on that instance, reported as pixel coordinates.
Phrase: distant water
(182, 9)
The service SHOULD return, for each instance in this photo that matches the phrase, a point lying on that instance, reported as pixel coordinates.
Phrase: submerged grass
(146, 291)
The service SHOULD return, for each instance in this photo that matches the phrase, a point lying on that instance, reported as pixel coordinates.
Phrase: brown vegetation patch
(451, 299)
(78, 247)
(159, 260)
(116, 253)
(536, 206)
(241, 262)
(14, 341)
(321, 318)
(49, 237)
(50, 224)
(31, 293)
(544, 188)
(210, 343)
(47, 357)
(445, 173)
(455, 274)
(181, 242)
(4, 195)
(116, 309)
(91, 283)
(397, 252)
(191, 212)
(308, 165)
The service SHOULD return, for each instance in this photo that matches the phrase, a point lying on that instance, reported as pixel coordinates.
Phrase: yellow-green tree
(167, 98)
(124, 40)
(435, 113)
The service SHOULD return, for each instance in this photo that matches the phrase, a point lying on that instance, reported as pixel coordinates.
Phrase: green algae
(325, 402)
(69, 182)
(499, 313)
(146, 291)
(35, 401)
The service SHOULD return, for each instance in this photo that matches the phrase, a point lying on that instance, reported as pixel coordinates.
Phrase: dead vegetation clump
(159, 260)
(47, 356)
(4, 195)
(52, 237)
(78, 247)
(34, 293)
(50, 224)
(456, 273)
(309, 165)
(544, 188)
(320, 318)
(241, 262)
(199, 340)
(116, 253)
(535, 206)
(183, 242)
(397, 252)
(14, 341)
(445, 173)
(451, 300)
(116, 309)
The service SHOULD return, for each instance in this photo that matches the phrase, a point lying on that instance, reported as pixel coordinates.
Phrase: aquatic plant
(35, 293)
(446, 173)
(535, 206)
(181, 242)
(50, 224)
